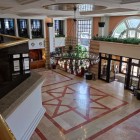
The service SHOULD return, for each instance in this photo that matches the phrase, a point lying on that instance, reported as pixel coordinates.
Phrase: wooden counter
(37, 64)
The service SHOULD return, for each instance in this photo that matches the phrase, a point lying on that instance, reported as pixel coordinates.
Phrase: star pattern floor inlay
(71, 107)
(77, 109)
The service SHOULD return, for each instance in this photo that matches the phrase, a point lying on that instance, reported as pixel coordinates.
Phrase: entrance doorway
(134, 74)
(121, 69)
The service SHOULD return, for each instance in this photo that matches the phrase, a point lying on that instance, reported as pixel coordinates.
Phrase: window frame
(83, 29)
(128, 29)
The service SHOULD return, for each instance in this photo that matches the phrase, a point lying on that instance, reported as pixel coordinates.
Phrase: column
(103, 31)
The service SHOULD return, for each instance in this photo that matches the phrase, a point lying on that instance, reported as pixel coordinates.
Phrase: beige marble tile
(76, 107)
(35, 137)
(110, 102)
(69, 120)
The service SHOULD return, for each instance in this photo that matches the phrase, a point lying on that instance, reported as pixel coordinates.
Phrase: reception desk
(22, 107)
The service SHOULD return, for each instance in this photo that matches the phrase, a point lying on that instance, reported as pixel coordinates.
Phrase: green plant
(81, 52)
(119, 40)
(59, 35)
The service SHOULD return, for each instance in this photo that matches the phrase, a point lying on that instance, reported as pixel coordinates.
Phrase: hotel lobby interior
(70, 70)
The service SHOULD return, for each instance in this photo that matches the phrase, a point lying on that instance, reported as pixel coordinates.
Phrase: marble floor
(79, 109)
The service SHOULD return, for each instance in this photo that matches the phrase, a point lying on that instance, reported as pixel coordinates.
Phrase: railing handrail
(18, 40)
(5, 132)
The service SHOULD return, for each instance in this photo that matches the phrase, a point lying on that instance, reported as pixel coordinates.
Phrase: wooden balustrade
(76, 65)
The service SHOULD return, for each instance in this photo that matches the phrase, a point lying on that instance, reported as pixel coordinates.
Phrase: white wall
(27, 115)
(51, 39)
(36, 44)
(59, 41)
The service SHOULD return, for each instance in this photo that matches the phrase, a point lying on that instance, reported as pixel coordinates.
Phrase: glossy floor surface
(79, 109)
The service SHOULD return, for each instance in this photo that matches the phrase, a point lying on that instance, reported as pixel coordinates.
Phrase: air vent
(4, 8)
(24, 2)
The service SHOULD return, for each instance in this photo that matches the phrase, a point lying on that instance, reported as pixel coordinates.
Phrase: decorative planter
(138, 94)
(53, 66)
(88, 76)
(121, 49)
(59, 41)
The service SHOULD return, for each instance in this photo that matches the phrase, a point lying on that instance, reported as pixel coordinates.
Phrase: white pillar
(51, 39)
(16, 28)
(29, 29)
(104, 31)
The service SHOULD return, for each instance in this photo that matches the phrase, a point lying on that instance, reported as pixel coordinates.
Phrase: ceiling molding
(129, 1)
(28, 14)
(115, 10)
(24, 2)
(4, 8)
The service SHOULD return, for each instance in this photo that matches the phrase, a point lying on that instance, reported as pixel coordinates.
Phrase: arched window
(128, 28)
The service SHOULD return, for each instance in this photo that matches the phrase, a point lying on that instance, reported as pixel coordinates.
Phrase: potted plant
(118, 40)
(137, 93)
(53, 65)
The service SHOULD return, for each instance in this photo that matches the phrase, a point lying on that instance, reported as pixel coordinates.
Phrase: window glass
(115, 57)
(104, 55)
(133, 23)
(128, 28)
(36, 26)
(84, 32)
(9, 26)
(59, 28)
(135, 61)
(124, 67)
(131, 33)
(138, 35)
(85, 7)
(125, 59)
(119, 30)
(22, 27)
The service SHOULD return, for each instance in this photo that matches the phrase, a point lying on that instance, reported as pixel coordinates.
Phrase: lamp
(49, 22)
(101, 24)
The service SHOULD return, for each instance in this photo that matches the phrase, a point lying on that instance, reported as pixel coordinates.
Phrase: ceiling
(36, 8)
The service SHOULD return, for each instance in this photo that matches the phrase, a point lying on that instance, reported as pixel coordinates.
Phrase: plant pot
(88, 76)
(138, 94)
(53, 66)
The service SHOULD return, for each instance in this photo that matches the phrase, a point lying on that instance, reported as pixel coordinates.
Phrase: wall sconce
(49, 22)
(101, 24)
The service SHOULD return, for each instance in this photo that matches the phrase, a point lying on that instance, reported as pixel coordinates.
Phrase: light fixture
(49, 22)
(101, 24)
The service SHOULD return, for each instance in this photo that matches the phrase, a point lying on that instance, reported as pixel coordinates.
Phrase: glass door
(114, 71)
(103, 74)
(134, 77)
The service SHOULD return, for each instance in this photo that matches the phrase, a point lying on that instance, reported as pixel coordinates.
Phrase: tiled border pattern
(113, 125)
(88, 120)
(39, 133)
